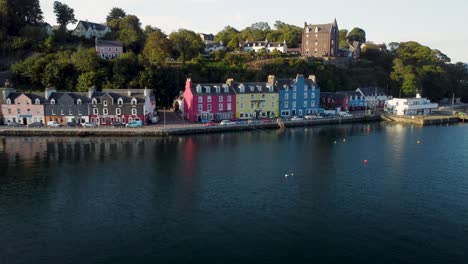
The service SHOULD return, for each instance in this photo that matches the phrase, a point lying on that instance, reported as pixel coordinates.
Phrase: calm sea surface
(225, 198)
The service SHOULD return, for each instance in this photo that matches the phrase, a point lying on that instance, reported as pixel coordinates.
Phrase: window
(220, 107)
(286, 105)
(134, 111)
(220, 98)
(105, 103)
(200, 107)
(118, 111)
(70, 112)
(53, 112)
(116, 49)
(229, 107)
(312, 104)
(200, 99)
(94, 101)
(78, 102)
(263, 105)
(229, 98)
(105, 111)
(79, 112)
(209, 107)
(271, 88)
(313, 95)
(305, 103)
(306, 95)
(241, 88)
(9, 111)
(286, 96)
(218, 89)
(8, 101)
(226, 88)
(109, 49)
(242, 106)
(251, 97)
(294, 96)
(134, 101)
(27, 102)
(123, 119)
(272, 104)
(52, 101)
(294, 104)
(208, 89)
(18, 111)
(102, 49)
(251, 105)
(103, 120)
(95, 111)
(199, 89)
(208, 99)
(263, 96)
(286, 88)
(294, 88)
(62, 112)
(120, 101)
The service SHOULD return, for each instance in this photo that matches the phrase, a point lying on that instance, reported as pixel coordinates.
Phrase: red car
(211, 123)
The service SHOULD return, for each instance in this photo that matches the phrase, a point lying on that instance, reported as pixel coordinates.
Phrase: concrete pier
(422, 120)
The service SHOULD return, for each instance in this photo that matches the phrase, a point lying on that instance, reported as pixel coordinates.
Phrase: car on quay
(310, 117)
(118, 124)
(345, 114)
(89, 125)
(72, 124)
(53, 124)
(36, 124)
(297, 118)
(227, 123)
(14, 124)
(211, 123)
(134, 124)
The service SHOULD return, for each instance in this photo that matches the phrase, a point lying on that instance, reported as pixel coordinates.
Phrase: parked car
(267, 120)
(345, 114)
(297, 118)
(36, 124)
(53, 124)
(309, 117)
(211, 123)
(72, 124)
(227, 123)
(136, 123)
(89, 124)
(14, 124)
(118, 124)
(241, 122)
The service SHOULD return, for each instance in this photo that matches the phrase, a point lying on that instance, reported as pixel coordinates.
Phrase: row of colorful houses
(276, 97)
(99, 107)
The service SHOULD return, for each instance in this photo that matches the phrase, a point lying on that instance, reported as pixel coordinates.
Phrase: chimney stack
(271, 79)
(91, 90)
(129, 92)
(49, 91)
(313, 78)
(230, 81)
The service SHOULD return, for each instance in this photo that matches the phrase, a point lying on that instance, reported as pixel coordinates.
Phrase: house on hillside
(90, 30)
(107, 49)
(268, 46)
(321, 40)
(206, 38)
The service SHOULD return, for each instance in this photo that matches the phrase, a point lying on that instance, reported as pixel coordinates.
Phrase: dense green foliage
(155, 60)
(65, 15)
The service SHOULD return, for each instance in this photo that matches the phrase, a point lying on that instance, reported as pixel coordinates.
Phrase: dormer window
(242, 88)
(120, 101)
(199, 89)
(105, 103)
(271, 88)
(252, 88)
(52, 101)
(37, 101)
(208, 89)
(218, 89)
(94, 101)
(286, 88)
(316, 29)
(79, 102)
(8, 101)
(134, 101)
(259, 88)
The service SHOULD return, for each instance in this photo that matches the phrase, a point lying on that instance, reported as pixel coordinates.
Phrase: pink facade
(208, 102)
(24, 109)
(109, 49)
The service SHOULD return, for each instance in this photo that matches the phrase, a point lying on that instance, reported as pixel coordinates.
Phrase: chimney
(313, 78)
(299, 76)
(271, 79)
(418, 95)
(49, 91)
(188, 82)
(91, 91)
(146, 92)
(230, 81)
(129, 92)
(7, 83)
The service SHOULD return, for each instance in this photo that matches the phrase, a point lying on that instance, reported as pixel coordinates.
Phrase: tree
(357, 34)
(20, 13)
(157, 48)
(343, 37)
(228, 36)
(130, 32)
(85, 60)
(257, 31)
(65, 14)
(115, 13)
(186, 43)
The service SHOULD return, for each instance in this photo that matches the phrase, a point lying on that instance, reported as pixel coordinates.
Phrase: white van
(53, 124)
(345, 114)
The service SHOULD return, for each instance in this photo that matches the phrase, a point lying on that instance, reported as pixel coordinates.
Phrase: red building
(333, 101)
(208, 102)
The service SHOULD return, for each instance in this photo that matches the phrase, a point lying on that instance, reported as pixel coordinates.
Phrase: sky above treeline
(438, 24)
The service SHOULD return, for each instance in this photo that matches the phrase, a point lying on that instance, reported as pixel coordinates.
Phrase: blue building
(298, 97)
(356, 100)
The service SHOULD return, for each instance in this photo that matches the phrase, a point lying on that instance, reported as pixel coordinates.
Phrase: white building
(268, 46)
(410, 106)
(90, 30)
(375, 97)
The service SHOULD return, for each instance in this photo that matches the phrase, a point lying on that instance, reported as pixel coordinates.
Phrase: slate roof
(117, 93)
(253, 87)
(369, 91)
(265, 43)
(212, 87)
(112, 43)
(350, 93)
(94, 26)
(32, 96)
(75, 96)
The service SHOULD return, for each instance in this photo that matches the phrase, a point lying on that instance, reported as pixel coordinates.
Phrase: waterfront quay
(162, 130)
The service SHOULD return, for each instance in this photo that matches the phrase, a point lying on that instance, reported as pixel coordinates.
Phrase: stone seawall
(422, 120)
(160, 131)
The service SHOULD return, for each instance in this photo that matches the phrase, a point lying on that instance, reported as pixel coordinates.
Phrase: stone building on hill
(321, 40)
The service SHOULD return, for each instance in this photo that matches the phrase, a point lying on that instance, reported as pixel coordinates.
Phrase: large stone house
(320, 40)
(66, 107)
(90, 30)
(123, 106)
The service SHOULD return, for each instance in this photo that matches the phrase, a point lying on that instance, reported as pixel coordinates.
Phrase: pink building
(109, 49)
(23, 108)
(209, 102)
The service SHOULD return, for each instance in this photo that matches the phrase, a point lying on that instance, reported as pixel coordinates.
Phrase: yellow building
(256, 100)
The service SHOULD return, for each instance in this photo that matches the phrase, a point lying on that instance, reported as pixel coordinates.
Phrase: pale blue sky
(438, 24)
